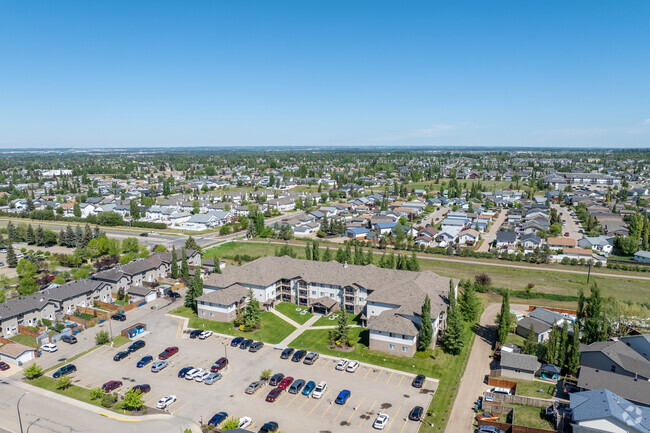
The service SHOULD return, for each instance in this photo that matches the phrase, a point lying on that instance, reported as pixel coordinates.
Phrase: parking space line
(324, 364)
(304, 403)
(295, 397)
(146, 403)
(180, 327)
(319, 401)
(98, 351)
(367, 372)
(390, 423)
(356, 371)
(340, 410)
(174, 413)
(368, 412)
(281, 396)
(389, 377)
(258, 391)
(354, 411)
(400, 381)
(404, 426)
(380, 372)
(328, 408)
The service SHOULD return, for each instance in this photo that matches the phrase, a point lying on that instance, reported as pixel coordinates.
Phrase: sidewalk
(301, 328)
(285, 318)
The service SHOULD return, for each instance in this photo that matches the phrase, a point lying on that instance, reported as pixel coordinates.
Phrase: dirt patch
(341, 348)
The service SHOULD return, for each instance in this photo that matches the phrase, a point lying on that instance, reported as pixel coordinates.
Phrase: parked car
(381, 421)
(299, 355)
(168, 352)
(310, 358)
(202, 375)
(309, 387)
(66, 369)
(4, 366)
(144, 361)
(418, 381)
(70, 339)
(172, 294)
(190, 375)
(244, 344)
(244, 422)
(121, 355)
(111, 385)
(119, 317)
(343, 397)
(205, 334)
(236, 341)
(145, 388)
(218, 418)
(270, 426)
(487, 416)
(183, 371)
(489, 429)
(158, 366)
(219, 365)
(273, 395)
(165, 401)
(343, 363)
(284, 384)
(286, 353)
(276, 378)
(253, 387)
(136, 345)
(195, 333)
(256, 346)
(416, 413)
(296, 386)
(352, 366)
(212, 378)
(320, 389)
(49, 347)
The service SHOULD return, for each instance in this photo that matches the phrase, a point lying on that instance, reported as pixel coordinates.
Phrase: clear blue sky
(368, 73)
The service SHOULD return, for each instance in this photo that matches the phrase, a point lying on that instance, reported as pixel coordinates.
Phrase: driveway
(572, 224)
(491, 235)
(473, 382)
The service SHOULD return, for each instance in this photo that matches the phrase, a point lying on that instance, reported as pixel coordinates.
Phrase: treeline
(111, 219)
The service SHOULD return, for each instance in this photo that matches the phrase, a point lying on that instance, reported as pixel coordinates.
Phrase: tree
(102, 337)
(230, 424)
(327, 256)
(426, 329)
(413, 263)
(399, 237)
(562, 346)
(315, 251)
(574, 356)
(469, 304)
(185, 270)
(340, 256)
(12, 232)
(308, 252)
(29, 235)
(551, 347)
(134, 211)
(110, 218)
(76, 210)
(341, 334)
(12, 260)
(581, 304)
(252, 313)
(190, 244)
(483, 280)
(504, 317)
(194, 291)
(3, 296)
(133, 399)
(370, 257)
(595, 328)
(174, 263)
(27, 286)
(96, 393)
(531, 341)
(454, 338)
(64, 382)
(33, 371)
(39, 237)
(26, 269)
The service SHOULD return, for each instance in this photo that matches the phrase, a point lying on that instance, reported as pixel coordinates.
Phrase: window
(391, 346)
(211, 314)
(613, 369)
(203, 312)
(313, 292)
(405, 349)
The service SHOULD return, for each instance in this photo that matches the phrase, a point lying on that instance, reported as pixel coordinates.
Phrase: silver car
(158, 366)
(212, 378)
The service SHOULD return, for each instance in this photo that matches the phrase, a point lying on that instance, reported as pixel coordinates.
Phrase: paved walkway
(301, 328)
(285, 318)
(473, 382)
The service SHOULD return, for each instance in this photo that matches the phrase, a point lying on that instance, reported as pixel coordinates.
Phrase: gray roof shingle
(519, 361)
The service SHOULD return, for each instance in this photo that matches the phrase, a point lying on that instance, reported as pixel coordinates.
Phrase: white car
(190, 375)
(319, 390)
(245, 422)
(203, 374)
(165, 401)
(49, 347)
(205, 334)
(342, 364)
(352, 366)
(381, 421)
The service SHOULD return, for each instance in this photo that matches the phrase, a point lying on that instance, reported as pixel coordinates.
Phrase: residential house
(602, 244)
(468, 237)
(639, 343)
(634, 389)
(601, 410)
(506, 240)
(642, 256)
(560, 243)
(616, 357)
(518, 365)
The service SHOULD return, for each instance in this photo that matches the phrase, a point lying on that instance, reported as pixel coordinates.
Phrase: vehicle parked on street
(299, 355)
(343, 363)
(273, 395)
(381, 421)
(418, 381)
(286, 353)
(416, 413)
(309, 387)
(168, 352)
(66, 369)
(256, 346)
(111, 385)
(49, 347)
(119, 317)
(212, 378)
(310, 358)
(352, 366)
(343, 397)
(319, 390)
(172, 294)
(136, 345)
(164, 402)
(236, 341)
(276, 379)
(219, 365)
(158, 366)
(121, 355)
(145, 388)
(218, 418)
(70, 339)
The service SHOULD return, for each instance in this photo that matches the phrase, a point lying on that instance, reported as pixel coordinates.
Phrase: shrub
(96, 393)
(102, 337)
(33, 371)
(64, 382)
(108, 400)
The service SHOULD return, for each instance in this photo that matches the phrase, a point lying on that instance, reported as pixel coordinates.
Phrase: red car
(273, 395)
(285, 382)
(111, 385)
(4, 366)
(168, 352)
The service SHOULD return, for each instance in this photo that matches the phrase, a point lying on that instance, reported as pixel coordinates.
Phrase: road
(572, 225)
(473, 382)
(491, 235)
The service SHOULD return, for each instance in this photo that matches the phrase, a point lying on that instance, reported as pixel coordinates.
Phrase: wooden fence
(511, 428)
(502, 383)
(557, 310)
(24, 330)
(490, 406)
(107, 306)
(519, 399)
(5, 341)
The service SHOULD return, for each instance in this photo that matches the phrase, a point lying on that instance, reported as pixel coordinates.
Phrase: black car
(256, 346)
(118, 316)
(269, 427)
(121, 355)
(245, 344)
(416, 413)
(276, 379)
(70, 339)
(172, 294)
(286, 353)
(195, 333)
(418, 382)
(144, 235)
(137, 345)
(145, 388)
(236, 341)
(183, 371)
(66, 369)
(299, 355)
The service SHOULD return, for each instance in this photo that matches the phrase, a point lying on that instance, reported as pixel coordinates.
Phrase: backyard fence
(511, 428)
(519, 399)
(24, 330)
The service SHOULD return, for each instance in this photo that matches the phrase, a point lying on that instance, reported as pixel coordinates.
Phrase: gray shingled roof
(325, 301)
(621, 354)
(389, 321)
(228, 296)
(545, 315)
(540, 327)
(601, 403)
(637, 390)
(519, 361)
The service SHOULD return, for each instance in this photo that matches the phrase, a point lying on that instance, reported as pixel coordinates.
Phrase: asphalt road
(572, 224)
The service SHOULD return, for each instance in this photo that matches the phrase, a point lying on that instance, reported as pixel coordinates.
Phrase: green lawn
(353, 319)
(120, 340)
(530, 388)
(76, 392)
(530, 416)
(273, 329)
(489, 185)
(515, 339)
(289, 310)
(27, 340)
(442, 366)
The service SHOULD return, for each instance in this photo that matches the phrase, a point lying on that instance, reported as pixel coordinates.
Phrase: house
(601, 410)
(541, 321)
(616, 357)
(506, 239)
(635, 390)
(561, 243)
(357, 232)
(642, 256)
(140, 293)
(530, 241)
(639, 343)
(16, 353)
(602, 244)
(518, 365)
(468, 237)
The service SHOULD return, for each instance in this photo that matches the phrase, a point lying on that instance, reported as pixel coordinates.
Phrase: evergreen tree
(12, 232)
(133, 209)
(581, 303)
(358, 255)
(78, 237)
(325, 225)
(469, 304)
(426, 329)
(414, 263)
(504, 318)
(402, 263)
(370, 257)
(348, 255)
(12, 260)
(76, 210)
(551, 347)
(185, 270)
(327, 256)
(452, 295)
(563, 346)
(97, 233)
(217, 266)
(574, 356)
(531, 340)
(39, 238)
(595, 328)
(252, 312)
(87, 236)
(196, 286)
(308, 252)
(29, 235)
(340, 255)
(190, 298)
(62, 240)
(454, 338)
(315, 251)
(174, 262)
(342, 331)
(391, 262)
(69, 236)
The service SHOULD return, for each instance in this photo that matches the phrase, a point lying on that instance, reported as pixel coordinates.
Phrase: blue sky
(319, 73)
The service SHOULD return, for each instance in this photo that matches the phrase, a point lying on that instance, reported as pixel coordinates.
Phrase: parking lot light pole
(225, 349)
(20, 422)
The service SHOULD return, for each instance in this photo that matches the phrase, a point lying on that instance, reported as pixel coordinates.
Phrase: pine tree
(12, 260)
(69, 236)
(174, 263)
(340, 255)
(504, 317)
(402, 263)
(414, 263)
(551, 347)
(97, 233)
(358, 255)
(308, 252)
(581, 303)
(185, 270)
(574, 356)
(327, 256)
(62, 238)
(348, 254)
(563, 346)
(469, 304)
(39, 236)
(87, 236)
(78, 237)
(190, 299)
(370, 257)
(29, 235)
(325, 225)
(12, 232)
(454, 338)
(217, 265)
(595, 329)
(426, 329)
(531, 340)
(315, 251)
(391, 262)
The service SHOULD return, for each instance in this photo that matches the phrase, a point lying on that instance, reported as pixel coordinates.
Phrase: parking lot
(373, 390)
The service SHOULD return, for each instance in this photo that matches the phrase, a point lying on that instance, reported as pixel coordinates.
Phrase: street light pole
(20, 422)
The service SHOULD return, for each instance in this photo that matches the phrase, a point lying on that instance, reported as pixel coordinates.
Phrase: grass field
(545, 280)
(490, 185)
(76, 392)
(27, 340)
(289, 310)
(515, 339)
(120, 340)
(353, 319)
(530, 416)
(273, 329)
